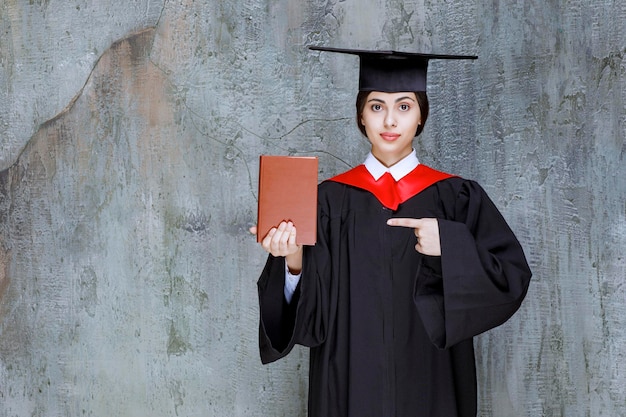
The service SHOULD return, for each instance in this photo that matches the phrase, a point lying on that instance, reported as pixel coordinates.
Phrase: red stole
(389, 192)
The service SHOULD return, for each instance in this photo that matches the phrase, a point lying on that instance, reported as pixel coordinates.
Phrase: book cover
(288, 191)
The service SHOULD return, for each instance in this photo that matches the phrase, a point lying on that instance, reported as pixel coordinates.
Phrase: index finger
(405, 222)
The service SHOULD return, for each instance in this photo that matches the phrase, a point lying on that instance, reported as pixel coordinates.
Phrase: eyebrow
(397, 100)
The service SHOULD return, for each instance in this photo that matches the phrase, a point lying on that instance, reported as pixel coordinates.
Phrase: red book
(288, 191)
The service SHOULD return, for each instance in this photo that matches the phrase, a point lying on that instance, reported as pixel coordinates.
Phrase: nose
(390, 120)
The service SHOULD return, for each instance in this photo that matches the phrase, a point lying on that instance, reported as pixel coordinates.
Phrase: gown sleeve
(482, 275)
(305, 319)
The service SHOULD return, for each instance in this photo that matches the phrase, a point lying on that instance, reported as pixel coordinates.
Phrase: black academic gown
(390, 329)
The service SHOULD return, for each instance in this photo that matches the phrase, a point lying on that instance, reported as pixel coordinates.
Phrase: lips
(388, 136)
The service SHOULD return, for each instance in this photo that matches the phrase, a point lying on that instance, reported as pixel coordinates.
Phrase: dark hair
(422, 102)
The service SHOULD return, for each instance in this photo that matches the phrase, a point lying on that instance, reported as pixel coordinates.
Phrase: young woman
(410, 263)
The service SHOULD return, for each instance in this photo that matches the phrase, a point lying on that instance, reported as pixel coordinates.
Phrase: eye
(376, 107)
(404, 107)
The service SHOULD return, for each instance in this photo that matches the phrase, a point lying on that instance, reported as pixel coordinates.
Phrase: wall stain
(193, 222)
(176, 343)
(5, 256)
(177, 392)
(88, 292)
(181, 295)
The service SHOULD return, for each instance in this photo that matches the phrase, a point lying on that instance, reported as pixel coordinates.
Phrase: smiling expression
(390, 121)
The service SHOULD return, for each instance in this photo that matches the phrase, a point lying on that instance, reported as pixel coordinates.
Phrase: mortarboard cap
(392, 71)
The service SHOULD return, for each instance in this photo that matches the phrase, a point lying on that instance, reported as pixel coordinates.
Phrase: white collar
(397, 170)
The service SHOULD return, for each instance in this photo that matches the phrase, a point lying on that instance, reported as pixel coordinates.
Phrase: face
(390, 121)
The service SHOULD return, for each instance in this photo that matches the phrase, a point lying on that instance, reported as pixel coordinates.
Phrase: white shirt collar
(397, 170)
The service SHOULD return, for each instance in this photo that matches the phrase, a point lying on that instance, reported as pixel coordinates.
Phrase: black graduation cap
(392, 71)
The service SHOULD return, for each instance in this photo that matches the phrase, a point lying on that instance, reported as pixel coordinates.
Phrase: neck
(391, 160)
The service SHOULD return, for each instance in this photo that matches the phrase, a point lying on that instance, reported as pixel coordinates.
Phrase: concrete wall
(129, 141)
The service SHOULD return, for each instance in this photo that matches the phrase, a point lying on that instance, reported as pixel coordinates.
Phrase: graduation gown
(390, 329)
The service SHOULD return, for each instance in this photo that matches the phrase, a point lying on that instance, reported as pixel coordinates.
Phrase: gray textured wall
(130, 134)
